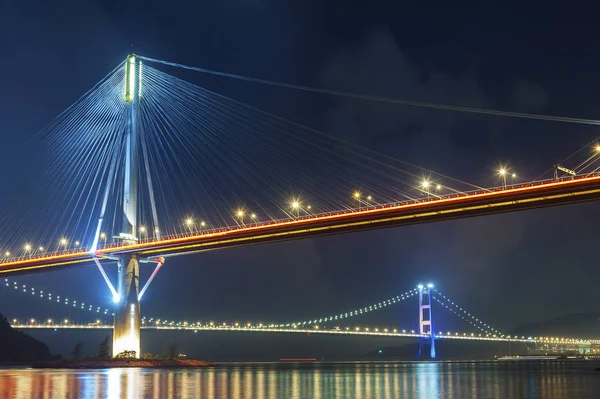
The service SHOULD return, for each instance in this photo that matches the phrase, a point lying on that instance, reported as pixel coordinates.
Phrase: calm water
(314, 380)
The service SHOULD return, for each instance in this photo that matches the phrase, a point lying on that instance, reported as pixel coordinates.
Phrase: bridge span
(454, 206)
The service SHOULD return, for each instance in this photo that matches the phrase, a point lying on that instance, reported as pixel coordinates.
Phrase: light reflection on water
(314, 380)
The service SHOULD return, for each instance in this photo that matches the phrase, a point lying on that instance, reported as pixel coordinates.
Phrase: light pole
(425, 186)
(240, 215)
(502, 173)
(296, 207)
(357, 198)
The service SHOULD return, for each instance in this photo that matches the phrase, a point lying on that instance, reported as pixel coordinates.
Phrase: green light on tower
(129, 78)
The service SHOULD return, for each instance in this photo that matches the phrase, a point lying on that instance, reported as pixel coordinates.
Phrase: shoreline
(120, 363)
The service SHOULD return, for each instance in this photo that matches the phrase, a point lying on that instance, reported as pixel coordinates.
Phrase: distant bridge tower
(126, 333)
(426, 320)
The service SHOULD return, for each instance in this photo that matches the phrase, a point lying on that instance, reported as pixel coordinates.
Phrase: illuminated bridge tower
(426, 320)
(126, 333)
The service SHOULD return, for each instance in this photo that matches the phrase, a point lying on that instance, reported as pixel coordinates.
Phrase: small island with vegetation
(18, 348)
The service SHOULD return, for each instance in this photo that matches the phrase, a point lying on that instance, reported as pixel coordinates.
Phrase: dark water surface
(314, 380)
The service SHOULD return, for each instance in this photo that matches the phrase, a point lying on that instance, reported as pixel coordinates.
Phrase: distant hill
(17, 347)
(575, 325)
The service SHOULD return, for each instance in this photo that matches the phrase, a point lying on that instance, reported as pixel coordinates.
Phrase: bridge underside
(454, 207)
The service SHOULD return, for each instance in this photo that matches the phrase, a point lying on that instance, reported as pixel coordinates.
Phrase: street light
(502, 173)
(597, 148)
(76, 243)
(27, 247)
(425, 185)
(240, 215)
(7, 253)
(357, 198)
(253, 216)
(189, 222)
(296, 207)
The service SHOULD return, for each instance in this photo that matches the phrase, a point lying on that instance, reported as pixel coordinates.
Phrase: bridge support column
(426, 320)
(126, 333)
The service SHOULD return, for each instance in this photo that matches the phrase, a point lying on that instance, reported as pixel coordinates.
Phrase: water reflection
(313, 380)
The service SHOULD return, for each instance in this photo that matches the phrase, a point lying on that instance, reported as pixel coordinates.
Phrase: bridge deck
(335, 331)
(534, 195)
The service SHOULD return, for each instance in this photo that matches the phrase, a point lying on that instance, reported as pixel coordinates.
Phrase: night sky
(508, 269)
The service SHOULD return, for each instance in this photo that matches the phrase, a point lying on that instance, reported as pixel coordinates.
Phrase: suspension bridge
(147, 166)
(96, 318)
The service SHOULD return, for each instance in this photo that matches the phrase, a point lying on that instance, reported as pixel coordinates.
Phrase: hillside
(17, 347)
(575, 325)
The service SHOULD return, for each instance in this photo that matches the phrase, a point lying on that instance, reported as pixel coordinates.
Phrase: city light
(253, 215)
(142, 229)
(41, 248)
(425, 184)
(597, 148)
(76, 242)
(502, 171)
(7, 253)
(429, 285)
(240, 213)
(420, 286)
(102, 235)
(356, 194)
(189, 221)
(202, 223)
(27, 247)
(63, 241)
(295, 205)
(116, 298)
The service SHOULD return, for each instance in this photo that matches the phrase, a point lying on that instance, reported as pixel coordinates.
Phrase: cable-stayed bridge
(146, 166)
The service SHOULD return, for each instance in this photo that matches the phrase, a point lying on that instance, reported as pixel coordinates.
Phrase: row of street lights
(295, 205)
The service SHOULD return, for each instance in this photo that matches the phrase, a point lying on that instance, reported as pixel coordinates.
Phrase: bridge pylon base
(126, 331)
(424, 345)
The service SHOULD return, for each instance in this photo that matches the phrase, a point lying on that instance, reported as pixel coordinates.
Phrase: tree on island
(77, 350)
(104, 349)
(126, 355)
(170, 352)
